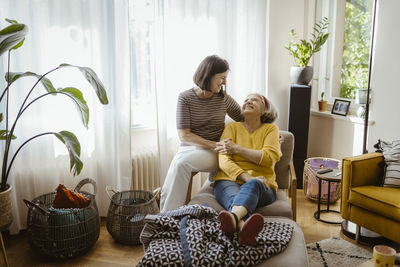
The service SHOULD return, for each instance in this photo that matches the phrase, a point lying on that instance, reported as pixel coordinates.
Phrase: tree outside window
(356, 49)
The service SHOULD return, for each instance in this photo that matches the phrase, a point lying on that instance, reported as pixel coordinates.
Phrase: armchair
(280, 211)
(286, 179)
(364, 201)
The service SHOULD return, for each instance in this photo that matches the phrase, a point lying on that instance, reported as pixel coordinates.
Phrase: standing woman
(200, 121)
(246, 180)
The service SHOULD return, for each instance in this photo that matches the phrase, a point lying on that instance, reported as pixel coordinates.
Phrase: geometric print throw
(190, 236)
(391, 154)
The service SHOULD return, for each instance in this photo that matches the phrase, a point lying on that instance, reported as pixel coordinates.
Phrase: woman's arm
(186, 136)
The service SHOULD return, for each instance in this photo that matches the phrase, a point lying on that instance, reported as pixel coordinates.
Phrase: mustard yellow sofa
(364, 201)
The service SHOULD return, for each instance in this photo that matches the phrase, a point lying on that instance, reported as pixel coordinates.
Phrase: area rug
(336, 251)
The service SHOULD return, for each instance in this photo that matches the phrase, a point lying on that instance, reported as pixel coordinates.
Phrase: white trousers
(188, 159)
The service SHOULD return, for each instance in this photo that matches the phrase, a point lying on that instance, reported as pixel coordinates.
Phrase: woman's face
(254, 105)
(217, 81)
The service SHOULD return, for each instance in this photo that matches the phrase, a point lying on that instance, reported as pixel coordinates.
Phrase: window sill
(349, 118)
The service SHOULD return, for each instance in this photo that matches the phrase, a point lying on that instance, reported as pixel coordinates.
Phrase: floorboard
(107, 252)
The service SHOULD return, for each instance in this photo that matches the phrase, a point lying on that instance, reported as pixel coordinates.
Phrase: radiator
(145, 173)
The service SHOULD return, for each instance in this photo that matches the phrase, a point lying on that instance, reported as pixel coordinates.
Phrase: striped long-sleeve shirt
(205, 117)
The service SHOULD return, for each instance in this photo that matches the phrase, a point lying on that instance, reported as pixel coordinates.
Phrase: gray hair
(271, 112)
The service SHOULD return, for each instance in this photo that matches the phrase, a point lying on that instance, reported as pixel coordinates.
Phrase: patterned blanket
(190, 236)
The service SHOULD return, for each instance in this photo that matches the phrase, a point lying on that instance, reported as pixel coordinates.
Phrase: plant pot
(322, 106)
(301, 75)
(6, 217)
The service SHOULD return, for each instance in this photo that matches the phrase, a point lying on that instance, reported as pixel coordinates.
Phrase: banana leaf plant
(12, 37)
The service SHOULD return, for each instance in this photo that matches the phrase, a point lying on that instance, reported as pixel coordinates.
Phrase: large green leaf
(3, 135)
(74, 149)
(94, 80)
(80, 102)
(13, 76)
(12, 36)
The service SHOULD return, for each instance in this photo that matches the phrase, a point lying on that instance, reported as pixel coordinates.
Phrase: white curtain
(186, 31)
(92, 33)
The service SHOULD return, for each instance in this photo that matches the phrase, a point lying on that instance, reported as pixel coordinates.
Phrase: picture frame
(340, 107)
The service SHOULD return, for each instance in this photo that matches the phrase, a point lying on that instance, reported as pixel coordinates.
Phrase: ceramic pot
(6, 217)
(301, 75)
(322, 106)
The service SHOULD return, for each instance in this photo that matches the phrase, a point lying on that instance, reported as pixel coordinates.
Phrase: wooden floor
(106, 252)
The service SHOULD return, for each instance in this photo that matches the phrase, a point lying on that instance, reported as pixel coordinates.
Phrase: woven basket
(125, 218)
(63, 233)
(310, 180)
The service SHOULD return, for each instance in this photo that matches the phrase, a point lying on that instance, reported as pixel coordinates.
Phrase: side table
(334, 176)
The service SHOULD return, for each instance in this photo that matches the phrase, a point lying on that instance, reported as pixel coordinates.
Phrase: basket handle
(33, 206)
(156, 193)
(87, 181)
(110, 189)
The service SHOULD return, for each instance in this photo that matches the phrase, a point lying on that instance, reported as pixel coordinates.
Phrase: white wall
(283, 15)
(385, 103)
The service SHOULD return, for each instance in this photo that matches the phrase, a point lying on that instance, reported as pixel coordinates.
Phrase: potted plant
(11, 38)
(322, 103)
(303, 50)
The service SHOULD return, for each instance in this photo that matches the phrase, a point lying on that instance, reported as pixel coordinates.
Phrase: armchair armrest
(366, 169)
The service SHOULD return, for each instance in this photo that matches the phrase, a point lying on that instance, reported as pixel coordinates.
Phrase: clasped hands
(226, 146)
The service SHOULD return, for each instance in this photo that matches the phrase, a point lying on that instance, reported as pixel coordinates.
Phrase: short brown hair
(210, 66)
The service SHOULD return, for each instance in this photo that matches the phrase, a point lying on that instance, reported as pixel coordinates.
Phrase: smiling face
(253, 105)
(217, 81)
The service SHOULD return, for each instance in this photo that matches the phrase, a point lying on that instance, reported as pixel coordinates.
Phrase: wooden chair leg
(293, 190)
(189, 190)
(3, 250)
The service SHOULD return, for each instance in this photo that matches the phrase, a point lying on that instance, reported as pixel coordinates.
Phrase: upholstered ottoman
(294, 255)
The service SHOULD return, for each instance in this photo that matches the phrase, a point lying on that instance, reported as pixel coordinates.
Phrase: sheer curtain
(91, 33)
(186, 31)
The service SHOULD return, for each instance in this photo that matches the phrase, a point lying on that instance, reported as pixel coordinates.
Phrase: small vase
(322, 106)
(6, 216)
(301, 75)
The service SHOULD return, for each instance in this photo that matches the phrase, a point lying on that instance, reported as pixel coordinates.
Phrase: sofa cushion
(280, 207)
(381, 200)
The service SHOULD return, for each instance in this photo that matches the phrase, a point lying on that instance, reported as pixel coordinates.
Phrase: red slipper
(227, 223)
(251, 228)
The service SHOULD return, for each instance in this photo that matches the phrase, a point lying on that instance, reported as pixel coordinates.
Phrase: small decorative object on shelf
(322, 103)
(361, 99)
(340, 107)
(126, 213)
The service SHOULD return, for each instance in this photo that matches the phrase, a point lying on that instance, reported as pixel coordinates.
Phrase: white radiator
(145, 174)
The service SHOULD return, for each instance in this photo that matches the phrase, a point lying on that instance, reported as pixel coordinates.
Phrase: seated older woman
(248, 151)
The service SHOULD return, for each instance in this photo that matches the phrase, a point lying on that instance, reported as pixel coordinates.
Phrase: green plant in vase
(303, 50)
(12, 37)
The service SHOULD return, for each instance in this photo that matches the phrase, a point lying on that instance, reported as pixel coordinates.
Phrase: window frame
(328, 62)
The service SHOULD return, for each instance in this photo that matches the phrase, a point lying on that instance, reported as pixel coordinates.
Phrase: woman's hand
(226, 146)
(263, 180)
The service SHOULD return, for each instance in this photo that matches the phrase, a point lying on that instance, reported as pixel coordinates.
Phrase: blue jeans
(251, 194)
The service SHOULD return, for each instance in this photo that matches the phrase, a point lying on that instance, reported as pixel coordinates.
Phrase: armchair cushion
(385, 201)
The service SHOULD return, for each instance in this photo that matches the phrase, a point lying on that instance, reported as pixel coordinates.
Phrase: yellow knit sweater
(265, 138)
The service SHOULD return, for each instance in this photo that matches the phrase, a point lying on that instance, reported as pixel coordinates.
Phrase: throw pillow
(391, 154)
(66, 199)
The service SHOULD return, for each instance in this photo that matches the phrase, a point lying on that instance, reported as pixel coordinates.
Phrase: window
(343, 66)
(141, 29)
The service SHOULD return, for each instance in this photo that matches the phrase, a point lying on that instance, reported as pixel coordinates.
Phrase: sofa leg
(358, 229)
